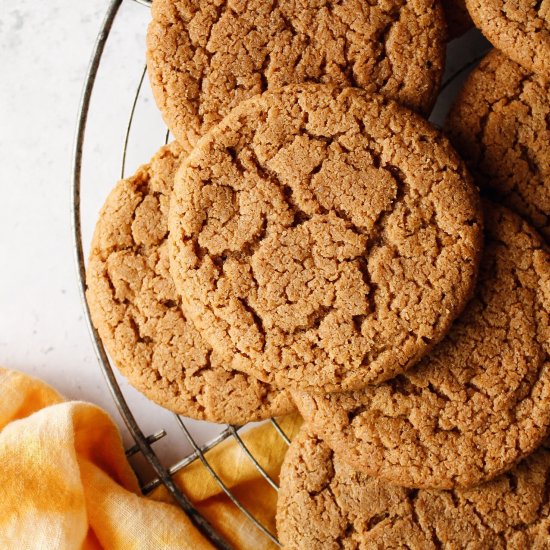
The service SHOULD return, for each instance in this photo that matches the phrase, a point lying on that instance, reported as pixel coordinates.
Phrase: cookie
(325, 239)
(521, 29)
(324, 504)
(480, 401)
(136, 309)
(206, 56)
(499, 124)
(457, 17)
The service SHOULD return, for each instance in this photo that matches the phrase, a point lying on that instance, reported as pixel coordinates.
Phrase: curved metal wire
(141, 441)
(280, 431)
(150, 439)
(252, 458)
(153, 484)
(130, 120)
(224, 487)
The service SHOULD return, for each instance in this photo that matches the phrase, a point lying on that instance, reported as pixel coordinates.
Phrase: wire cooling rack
(144, 443)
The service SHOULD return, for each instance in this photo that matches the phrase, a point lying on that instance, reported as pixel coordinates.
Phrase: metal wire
(247, 452)
(150, 439)
(130, 120)
(224, 487)
(280, 431)
(144, 444)
(188, 459)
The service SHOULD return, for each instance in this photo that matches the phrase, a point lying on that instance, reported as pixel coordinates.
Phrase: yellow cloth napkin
(66, 483)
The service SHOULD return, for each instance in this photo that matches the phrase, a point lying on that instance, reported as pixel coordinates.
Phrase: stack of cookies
(309, 240)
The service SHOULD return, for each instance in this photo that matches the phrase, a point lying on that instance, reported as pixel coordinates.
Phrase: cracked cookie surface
(315, 244)
(204, 57)
(500, 125)
(136, 309)
(520, 28)
(324, 504)
(480, 400)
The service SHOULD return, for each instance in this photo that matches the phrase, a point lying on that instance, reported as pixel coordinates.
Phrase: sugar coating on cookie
(480, 400)
(324, 504)
(457, 17)
(500, 126)
(136, 309)
(205, 56)
(520, 28)
(324, 239)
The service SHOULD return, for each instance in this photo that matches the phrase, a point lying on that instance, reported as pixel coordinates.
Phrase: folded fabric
(66, 482)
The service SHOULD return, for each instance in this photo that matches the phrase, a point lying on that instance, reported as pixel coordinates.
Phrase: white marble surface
(45, 47)
(44, 52)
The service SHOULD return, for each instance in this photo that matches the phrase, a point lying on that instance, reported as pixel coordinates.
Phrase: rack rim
(142, 443)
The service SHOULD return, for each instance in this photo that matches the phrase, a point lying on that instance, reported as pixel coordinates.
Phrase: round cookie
(136, 309)
(457, 17)
(520, 28)
(314, 242)
(499, 124)
(480, 401)
(205, 56)
(323, 504)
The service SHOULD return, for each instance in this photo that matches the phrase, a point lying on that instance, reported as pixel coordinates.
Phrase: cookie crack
(268, 175)
(430, 529)
(382, 39)
(485, 525)
(256, 318)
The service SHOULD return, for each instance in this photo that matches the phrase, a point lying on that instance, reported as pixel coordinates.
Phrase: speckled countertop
(45, 49)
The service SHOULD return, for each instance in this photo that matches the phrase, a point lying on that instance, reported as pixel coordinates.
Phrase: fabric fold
(66, 482)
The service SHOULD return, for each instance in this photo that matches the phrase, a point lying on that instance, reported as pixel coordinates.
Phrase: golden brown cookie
(520, 28)
(324, 504)
(480, 401)
(325, 239)
(136, 309)
(500, 125)
(205, 56)
(457, 17)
